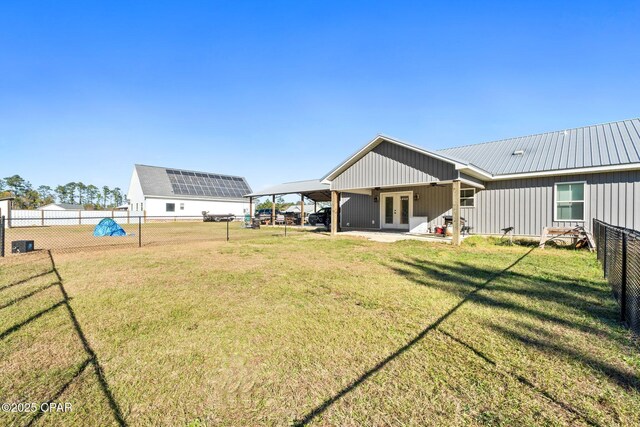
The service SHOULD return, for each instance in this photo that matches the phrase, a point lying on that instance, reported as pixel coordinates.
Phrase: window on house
(171, 207)
(181, 206)
(570, 201)
(467, 197)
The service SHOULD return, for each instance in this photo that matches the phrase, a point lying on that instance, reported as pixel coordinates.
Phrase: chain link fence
(619, 253)
(72, 234)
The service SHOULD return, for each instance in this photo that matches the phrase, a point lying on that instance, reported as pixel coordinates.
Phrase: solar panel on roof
(202, 184)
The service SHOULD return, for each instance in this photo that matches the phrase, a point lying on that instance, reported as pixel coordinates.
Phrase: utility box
(21, 246)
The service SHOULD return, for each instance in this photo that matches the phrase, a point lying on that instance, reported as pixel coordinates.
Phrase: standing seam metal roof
(608, 144)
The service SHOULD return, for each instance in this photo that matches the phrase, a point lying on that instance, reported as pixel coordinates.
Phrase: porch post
(335, 217)
(273, 210)
(455, 194)
(302, 209)
(251, 209)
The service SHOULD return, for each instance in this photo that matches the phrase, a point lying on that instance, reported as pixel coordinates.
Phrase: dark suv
(323, 216)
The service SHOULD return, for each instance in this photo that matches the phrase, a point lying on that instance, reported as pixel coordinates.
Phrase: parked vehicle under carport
(323, 216)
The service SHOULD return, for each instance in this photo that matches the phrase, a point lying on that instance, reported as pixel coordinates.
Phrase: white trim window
(467, 197)
(569, 201)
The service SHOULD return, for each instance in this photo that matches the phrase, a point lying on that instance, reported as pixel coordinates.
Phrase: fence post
(285, 226)
(623, 282)
(79, 217)
(42, 217)
(139, 231)
(2, 231)
(228, 229)
(605, 254)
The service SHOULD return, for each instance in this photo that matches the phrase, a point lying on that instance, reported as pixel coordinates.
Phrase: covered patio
(389, 185)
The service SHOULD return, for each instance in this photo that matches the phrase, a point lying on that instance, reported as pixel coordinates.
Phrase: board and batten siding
(360, 211)
(528, 204)
(392, 165)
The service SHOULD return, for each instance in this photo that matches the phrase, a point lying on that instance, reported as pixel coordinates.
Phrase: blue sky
(283, 91)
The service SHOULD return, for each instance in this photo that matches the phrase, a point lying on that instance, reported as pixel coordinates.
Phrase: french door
(396, 210)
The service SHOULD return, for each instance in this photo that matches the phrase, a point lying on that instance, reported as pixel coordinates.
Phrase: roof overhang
(312, 189)
(379, 139)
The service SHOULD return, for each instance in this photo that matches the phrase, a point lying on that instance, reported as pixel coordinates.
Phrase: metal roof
(608, 144)
(313, 189)
(156, 181)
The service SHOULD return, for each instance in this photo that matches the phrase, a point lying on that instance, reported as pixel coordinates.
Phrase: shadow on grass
(522, 380)
(92, 358)
(315, 412)
(566, 293)
(23, 281)
(626, 380)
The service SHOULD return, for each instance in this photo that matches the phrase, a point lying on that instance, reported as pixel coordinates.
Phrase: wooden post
(273, 210)
(335, 206)
(128, 216)
(302, 210)
(315, 206)
(42, 217)
(455, 194)
(251, 209)
(79, 217)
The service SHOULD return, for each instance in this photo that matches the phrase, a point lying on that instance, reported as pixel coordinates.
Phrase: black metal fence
(67, 233)
(619, 253)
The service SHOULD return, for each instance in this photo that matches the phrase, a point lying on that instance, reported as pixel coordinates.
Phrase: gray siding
(390, 165)
(528, 204)
(360, 211)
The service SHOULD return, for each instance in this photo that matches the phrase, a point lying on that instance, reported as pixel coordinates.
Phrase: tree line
(89, 196)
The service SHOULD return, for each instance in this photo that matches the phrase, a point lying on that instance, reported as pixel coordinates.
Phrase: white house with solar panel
(159, 191)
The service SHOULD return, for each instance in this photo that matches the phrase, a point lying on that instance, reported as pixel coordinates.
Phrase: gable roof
(595, 148)
(607, 144)
(156, 181)
(379, 139)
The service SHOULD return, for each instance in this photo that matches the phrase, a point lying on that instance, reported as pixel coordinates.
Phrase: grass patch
(329, 331)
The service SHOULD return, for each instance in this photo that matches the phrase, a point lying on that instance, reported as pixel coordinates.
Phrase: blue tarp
(108, 227)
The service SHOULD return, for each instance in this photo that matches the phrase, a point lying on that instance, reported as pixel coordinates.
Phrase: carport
(313, 190)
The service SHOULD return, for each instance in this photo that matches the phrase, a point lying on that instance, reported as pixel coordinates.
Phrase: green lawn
(312, 329)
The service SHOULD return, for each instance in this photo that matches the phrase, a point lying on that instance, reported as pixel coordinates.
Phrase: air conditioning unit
(21, 246)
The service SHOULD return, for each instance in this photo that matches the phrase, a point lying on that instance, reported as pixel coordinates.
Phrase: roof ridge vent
(518, 153)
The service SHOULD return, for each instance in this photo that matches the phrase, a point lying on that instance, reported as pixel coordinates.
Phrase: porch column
(335, 217)
(302, 209)
(251, 209)
(455, 194)
(273, 210)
